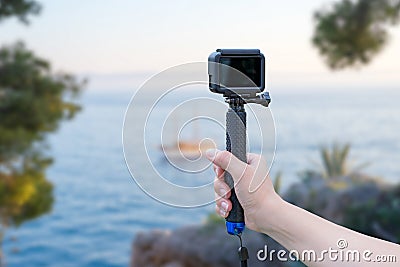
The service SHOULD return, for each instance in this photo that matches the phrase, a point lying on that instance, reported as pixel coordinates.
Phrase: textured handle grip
(235, 143)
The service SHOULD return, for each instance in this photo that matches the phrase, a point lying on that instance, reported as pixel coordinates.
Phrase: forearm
(300, 230)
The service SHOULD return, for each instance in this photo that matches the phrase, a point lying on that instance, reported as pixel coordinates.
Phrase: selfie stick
(236, 144)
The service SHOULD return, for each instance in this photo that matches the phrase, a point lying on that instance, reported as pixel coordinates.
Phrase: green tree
(351, 33)
(18, 8)
(33, 102)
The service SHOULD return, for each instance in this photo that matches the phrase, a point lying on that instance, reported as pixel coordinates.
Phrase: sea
(100, 206)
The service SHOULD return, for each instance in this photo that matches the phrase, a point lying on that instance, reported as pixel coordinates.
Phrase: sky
(116, 40)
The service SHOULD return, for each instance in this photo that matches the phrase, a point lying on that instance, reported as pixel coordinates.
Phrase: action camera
(236, 72)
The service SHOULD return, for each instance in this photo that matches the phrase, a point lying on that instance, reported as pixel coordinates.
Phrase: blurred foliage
(334, 163)
(351, 33)
(25, 194)
(19, 8)
(335, 160)
(33, 102)
(379, 217)
(214, 219)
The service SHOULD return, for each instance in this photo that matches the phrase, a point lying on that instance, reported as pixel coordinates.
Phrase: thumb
(227, 161)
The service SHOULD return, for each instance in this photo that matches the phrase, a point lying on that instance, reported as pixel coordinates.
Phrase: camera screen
(249, 66)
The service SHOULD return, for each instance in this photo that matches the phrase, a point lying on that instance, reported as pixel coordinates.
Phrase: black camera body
(237, 72)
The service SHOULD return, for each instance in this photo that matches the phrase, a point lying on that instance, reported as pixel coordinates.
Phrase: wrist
(269, 219)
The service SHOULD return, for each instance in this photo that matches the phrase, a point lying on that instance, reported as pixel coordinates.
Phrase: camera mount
(262, 99)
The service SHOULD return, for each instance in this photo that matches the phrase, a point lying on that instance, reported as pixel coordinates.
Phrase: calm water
(98, 207)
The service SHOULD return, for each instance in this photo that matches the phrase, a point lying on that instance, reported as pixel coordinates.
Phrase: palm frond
(335, 159)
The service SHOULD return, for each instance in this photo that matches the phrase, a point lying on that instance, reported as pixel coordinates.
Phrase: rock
(198, 246)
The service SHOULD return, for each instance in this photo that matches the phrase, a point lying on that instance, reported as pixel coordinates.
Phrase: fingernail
(222, 213)
(224, 206)
(222, 192)
(210, 153)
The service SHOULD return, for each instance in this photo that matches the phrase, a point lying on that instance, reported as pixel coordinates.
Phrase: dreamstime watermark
(340, 253)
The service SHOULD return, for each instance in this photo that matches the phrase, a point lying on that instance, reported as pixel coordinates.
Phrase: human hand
(253, 188)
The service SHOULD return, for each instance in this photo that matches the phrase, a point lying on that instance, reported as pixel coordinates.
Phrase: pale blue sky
(110, 37)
